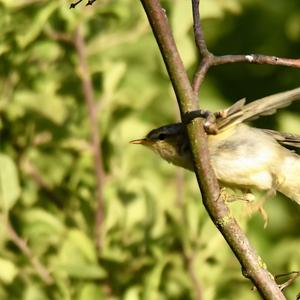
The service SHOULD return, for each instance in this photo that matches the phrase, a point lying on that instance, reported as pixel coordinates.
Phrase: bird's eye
(161, 136)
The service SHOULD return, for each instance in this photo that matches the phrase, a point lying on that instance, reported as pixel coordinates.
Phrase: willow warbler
(242, 157)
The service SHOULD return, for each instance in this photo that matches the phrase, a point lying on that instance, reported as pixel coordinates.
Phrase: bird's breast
(244, 157)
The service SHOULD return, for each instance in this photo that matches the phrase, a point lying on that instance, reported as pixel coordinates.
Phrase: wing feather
(285, 139)
(239, 112)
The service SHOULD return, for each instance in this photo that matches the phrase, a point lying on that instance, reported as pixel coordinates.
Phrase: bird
(243, 157)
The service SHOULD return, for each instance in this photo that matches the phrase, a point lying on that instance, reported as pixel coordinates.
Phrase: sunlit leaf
(48, 105)
(30, 32)
(82, 271)
(90, 291)
(34, 292)
(8, 271)
(9, 183)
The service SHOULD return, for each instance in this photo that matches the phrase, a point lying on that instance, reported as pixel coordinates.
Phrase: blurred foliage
(157, 235)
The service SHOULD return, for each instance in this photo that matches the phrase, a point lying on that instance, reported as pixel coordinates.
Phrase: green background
(158, 240)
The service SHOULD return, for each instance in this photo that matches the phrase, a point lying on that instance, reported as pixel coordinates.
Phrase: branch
(190, 261)
(256, 59)
(95, 136)
(294, 276)
(22, 245)
(74, 4)
(198, 32)
(32, 171)
(212, 200)
(208, 59)
(188, 255)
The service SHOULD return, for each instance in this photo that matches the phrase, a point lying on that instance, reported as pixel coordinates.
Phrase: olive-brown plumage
(242, 156)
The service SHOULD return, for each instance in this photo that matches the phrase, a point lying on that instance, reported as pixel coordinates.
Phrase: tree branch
(95, 135)
(188, 255)
(22, 245)
(218, 211)
(295, 275)
(190, 262)
(198, 32)
(31, 170)
(75, 3)
(209, 59)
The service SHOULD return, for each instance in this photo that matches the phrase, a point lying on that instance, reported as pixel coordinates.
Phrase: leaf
(77, 257)
(77, 248)
(34, 292)
(42, 228)
(217, 8)
(46, 51)
(8, 271)
(9, 183)
(179, 13)
(46, 103)
(153, 280)
(113, 75)
(90, 291)
(30, 32)
(82, 271)
(181, 30)
(133, 293)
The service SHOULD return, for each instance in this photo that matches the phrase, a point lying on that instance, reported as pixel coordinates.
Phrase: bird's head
(171, 143)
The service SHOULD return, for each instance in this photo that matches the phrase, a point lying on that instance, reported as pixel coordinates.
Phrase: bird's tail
(289, 181)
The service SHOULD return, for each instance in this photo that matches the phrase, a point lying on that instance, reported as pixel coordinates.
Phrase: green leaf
(90, 291)
(77, 248)
(30, 32)
(42, 229)
(133, 293)
(113, 75)
(153, 280)
(46, 103)
(8, 271)
(9, 183)
(34, 292)
(82, 271)
(77, 257)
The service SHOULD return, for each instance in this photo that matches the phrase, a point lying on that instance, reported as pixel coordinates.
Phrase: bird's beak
(139, 141)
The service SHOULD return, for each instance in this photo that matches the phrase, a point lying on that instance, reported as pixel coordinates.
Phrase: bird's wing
(285, 139)
(239, 112)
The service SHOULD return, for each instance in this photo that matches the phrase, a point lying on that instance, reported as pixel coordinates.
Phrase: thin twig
(190, 261)
(201, 72)
(74, 4)
(22, 245)
(58, 36)
(95, 133)
(32, 171)
(256, 59)
(188, 258)
(208, 59)
(90, 2)
(198, 32)
(295, 275)
(207, 181)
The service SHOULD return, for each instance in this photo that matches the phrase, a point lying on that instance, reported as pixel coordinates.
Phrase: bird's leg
(246, 195)
(225, 195)
(258, 206)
